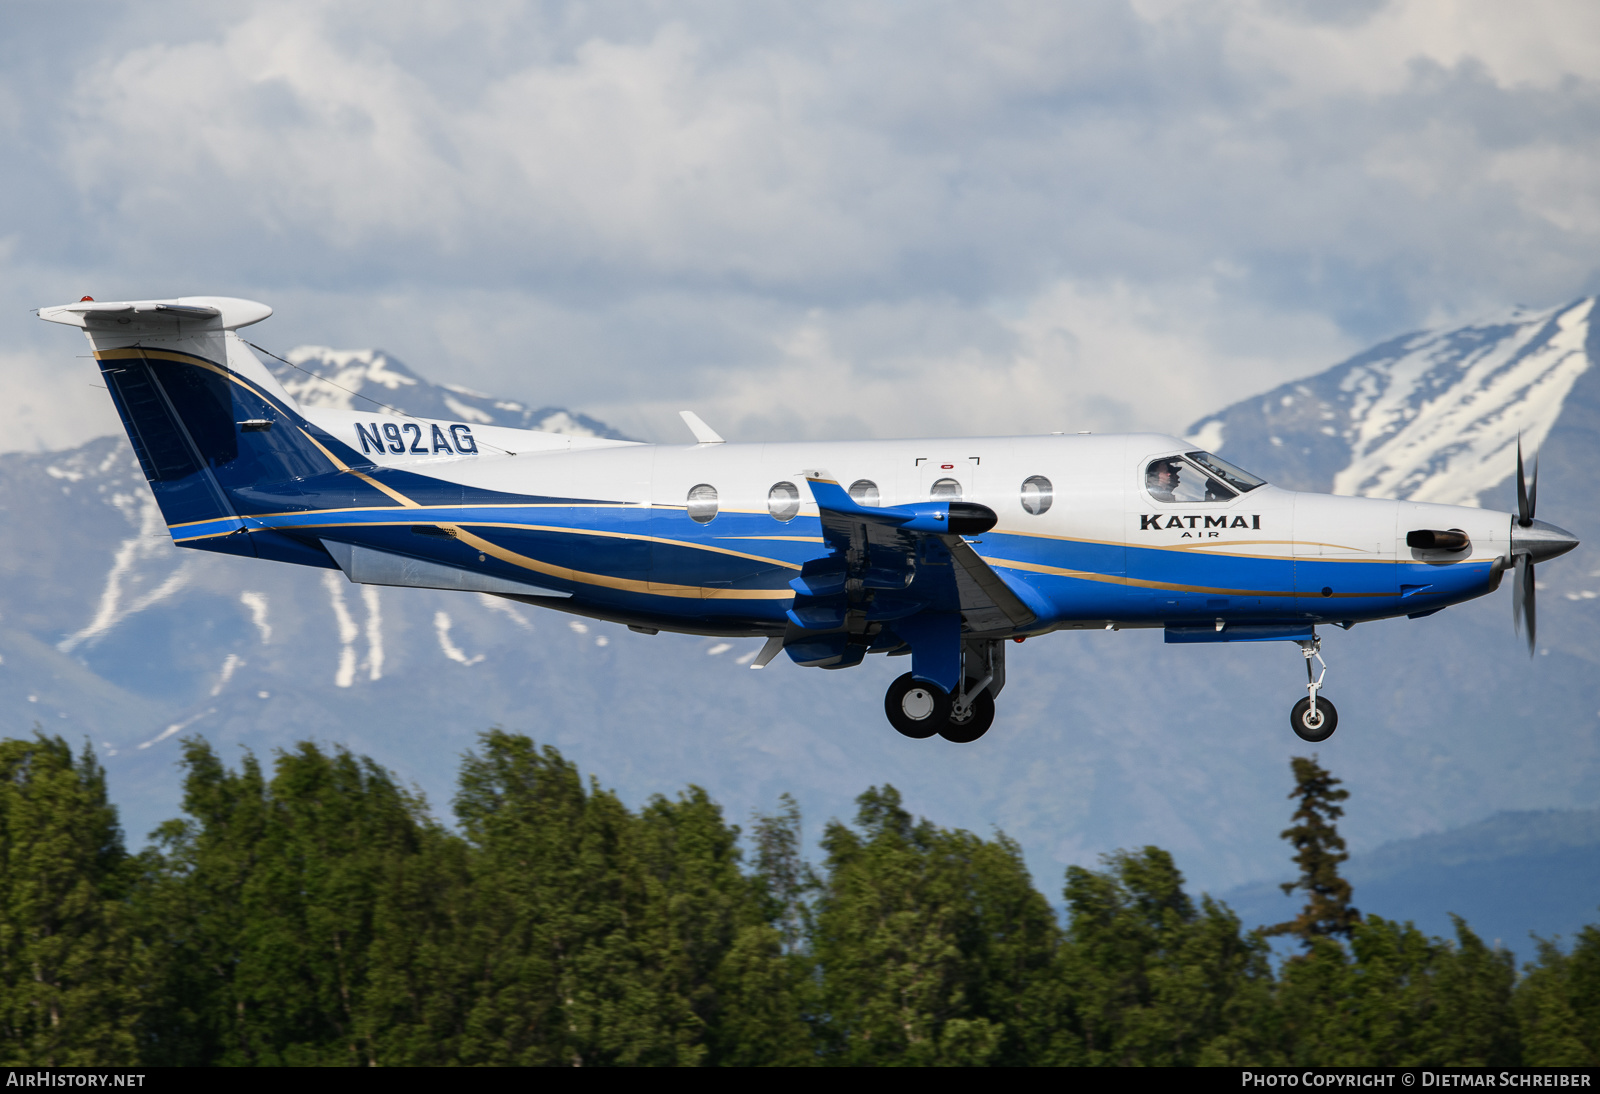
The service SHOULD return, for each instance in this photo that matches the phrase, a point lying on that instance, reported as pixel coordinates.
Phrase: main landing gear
(921, 709)
(1313, 718)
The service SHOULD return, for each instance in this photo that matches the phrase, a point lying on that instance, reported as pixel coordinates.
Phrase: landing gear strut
(1313, 718)
(921, 709)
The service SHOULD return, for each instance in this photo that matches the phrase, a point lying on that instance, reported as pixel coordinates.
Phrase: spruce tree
(1319, 851)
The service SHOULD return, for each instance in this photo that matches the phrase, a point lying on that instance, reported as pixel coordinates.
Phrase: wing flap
(987, 602)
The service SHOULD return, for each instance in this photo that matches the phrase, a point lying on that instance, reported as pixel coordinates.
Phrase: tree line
(320, 915)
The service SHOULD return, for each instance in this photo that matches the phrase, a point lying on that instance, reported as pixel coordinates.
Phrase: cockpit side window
(1236, 477)
(1175, 479)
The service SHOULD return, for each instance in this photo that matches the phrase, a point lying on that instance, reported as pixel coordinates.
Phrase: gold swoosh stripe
(625, 584)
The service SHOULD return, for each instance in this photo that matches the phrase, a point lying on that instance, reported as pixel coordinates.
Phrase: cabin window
(864, 492)
(702, 503)
(783, 501)
(1172, 478)
(1037, 494)
(945, 490)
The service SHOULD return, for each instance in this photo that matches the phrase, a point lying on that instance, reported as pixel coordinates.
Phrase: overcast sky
(800, 220)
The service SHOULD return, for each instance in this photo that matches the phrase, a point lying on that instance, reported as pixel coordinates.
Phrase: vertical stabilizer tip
(703, 434)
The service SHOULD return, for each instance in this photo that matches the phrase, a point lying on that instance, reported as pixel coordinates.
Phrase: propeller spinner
(1531, 541)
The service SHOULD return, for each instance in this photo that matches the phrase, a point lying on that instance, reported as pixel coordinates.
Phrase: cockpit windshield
(1236, 477)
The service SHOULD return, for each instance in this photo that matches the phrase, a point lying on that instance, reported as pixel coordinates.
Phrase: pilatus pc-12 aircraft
(943, 549)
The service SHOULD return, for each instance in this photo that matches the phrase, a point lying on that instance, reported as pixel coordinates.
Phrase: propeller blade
(1533, 490)
(1523, 516)
(1522, 601)
(1516, 592)
(1528, 606)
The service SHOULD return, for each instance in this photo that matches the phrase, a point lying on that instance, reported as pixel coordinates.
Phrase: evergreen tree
(784, 878)
(1319, 851)
(1474, 1022)
(926, 939)
(1153, 979)
(1583, 988)
(579, 962)
(271, 904)
(1398, 998)
(765, 989)
(1558, 1004)
(729, 960)
(71, 971)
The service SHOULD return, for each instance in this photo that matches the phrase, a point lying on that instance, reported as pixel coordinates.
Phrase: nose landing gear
(1313, 718)
(973, 721)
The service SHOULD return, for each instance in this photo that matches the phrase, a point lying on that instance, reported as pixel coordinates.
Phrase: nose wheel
(1313, 718)
(968, 723)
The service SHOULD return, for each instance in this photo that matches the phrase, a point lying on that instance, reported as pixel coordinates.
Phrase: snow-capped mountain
(369, 379)
(108, 631)
(1431, 416)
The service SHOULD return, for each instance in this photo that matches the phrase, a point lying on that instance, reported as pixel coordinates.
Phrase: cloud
(51, 401)
(816, 219)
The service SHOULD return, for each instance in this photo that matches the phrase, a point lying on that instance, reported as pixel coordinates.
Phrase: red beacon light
(86, 300)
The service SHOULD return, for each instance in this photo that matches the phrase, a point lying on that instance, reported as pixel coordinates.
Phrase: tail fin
(205, 417)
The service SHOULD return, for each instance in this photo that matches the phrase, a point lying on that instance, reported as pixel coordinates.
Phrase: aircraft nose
(1539, 540)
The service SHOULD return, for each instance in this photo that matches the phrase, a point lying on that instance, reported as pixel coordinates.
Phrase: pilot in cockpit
(1161, 479)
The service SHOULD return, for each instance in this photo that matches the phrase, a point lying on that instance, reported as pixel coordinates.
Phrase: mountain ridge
(318, 376)
(1433, 415)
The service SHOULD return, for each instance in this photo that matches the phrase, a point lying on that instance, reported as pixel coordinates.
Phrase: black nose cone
(968, 518)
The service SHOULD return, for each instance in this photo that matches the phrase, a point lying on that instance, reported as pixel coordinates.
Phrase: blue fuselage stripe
(635, 549)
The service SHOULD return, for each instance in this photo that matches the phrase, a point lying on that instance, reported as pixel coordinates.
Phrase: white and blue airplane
(940, 549)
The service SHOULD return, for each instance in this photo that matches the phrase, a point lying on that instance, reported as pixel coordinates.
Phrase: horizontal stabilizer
(212, 312)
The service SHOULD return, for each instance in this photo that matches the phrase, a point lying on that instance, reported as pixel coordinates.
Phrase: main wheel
(916, 708)
(979, 717)
(1314, 728)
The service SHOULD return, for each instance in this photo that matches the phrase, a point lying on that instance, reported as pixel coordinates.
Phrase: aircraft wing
(890, 574)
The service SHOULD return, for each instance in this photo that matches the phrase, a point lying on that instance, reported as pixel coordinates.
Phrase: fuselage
(611, 530)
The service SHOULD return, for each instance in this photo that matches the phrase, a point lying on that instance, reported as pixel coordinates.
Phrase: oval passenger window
(945, 490)
(783, 501)
(1037, 494)
(864, 492)
(702, 503)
